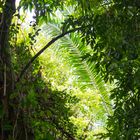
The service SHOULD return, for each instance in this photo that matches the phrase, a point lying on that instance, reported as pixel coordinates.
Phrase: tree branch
(44, 48)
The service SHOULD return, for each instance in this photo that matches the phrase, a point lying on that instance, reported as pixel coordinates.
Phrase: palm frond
(84, 69)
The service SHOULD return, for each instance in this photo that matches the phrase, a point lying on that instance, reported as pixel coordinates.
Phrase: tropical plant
(76, 53)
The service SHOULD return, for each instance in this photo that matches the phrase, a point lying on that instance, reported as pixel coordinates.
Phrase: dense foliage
(93, 41)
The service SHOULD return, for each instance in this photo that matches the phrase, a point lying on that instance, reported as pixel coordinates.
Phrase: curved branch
(44, 48)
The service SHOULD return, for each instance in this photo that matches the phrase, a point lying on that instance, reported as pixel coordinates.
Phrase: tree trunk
(6, 78)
